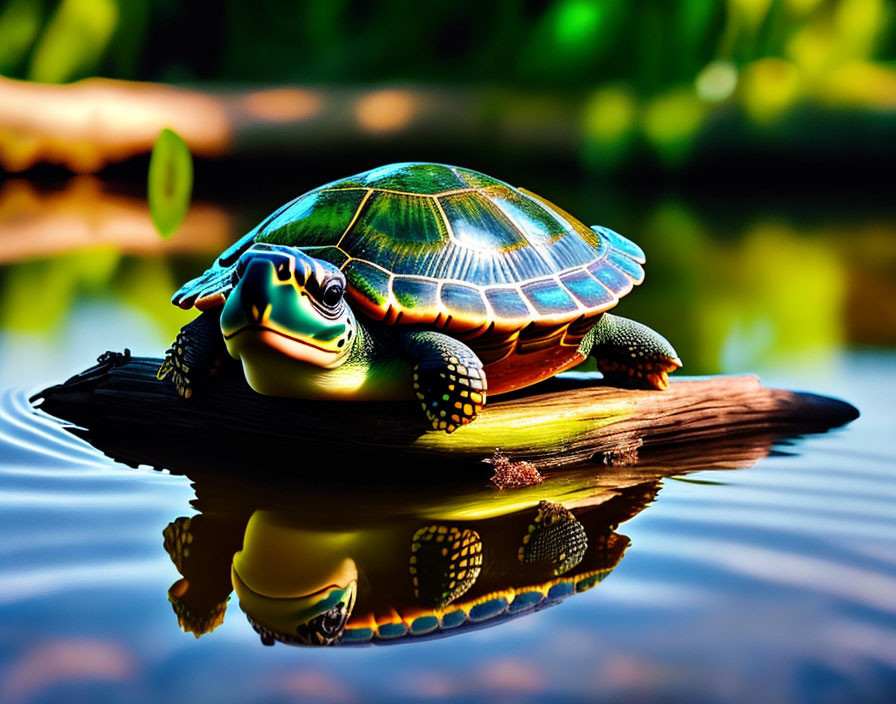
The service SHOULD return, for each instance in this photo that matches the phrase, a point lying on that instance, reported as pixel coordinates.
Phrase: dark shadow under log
(123, 409)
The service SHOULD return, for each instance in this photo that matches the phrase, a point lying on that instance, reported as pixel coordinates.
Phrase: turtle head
(316, 619)
(290, 304)
(295, 585)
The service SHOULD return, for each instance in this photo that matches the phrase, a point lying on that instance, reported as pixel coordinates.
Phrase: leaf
(170, 181)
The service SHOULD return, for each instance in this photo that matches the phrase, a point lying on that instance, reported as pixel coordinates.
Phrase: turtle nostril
(283, 270)
(303, 272)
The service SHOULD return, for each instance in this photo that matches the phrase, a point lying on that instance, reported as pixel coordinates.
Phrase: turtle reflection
(307, 579)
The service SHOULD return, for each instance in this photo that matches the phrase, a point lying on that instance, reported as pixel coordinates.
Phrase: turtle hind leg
(630, 354)
(197, 353)
(448, 378)
(555, 536)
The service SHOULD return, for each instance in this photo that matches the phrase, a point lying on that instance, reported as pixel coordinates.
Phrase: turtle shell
(445, 247)
(483, 612)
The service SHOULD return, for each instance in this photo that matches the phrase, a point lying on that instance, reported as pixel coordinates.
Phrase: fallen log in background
(566, 421)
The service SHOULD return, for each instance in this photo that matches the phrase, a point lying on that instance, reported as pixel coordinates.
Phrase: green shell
(430, 243)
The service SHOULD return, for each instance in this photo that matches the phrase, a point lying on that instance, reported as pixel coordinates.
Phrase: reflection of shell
(487, 610)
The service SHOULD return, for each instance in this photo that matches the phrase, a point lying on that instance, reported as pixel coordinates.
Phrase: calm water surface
(775, 582)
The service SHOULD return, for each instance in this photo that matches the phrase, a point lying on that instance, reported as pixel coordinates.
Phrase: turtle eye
(332, 294)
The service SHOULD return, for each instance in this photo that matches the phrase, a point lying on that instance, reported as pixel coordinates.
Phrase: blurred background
(747, 144)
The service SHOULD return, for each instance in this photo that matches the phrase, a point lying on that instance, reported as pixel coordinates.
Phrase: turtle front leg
(197, 353)
(449, 380)
(630, 354)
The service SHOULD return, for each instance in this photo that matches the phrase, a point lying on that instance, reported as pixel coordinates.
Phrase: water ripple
(861, 586)
(31, 438)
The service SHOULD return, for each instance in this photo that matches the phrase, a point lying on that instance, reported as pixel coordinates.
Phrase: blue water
(775, 582)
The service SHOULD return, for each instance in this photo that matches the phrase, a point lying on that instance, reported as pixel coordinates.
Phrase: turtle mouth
(319, 624)
(261, 330)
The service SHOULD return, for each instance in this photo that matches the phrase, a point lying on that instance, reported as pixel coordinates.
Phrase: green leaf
(170, 181)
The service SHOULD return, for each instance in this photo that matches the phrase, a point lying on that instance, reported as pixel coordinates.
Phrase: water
(773, 582)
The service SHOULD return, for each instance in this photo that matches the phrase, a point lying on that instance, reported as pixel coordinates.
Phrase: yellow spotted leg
(448, 379)
(445, 562)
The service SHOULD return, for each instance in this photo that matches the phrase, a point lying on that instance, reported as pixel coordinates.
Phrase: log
(87, 125)
(121, 407)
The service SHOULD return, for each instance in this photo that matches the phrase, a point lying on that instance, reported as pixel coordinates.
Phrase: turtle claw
(657, 373)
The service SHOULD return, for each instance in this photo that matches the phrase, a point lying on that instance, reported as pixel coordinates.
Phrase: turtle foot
(177, 539)
(555, 535)
(445, 562)
(197, 353)
(175, 367)
(451, 395)
(631, 355)
(195, 619)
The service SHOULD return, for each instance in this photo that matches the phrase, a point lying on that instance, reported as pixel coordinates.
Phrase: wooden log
(95, 122)
(566, 421)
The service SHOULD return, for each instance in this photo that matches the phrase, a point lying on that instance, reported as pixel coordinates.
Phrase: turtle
(417, 281)
(358, 584)
(387, 569)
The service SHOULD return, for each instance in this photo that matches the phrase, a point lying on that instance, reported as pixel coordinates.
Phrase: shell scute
(475, 179)
(476, 223)
(318, 218)
(611, 277)
(415, 293)
(507, 303)
(626, 264)
(539, 226)
(620, 243)
(400, 233)
(408, 177)
(587, 289)
(369, 286)
(549, 298)
(464, 301)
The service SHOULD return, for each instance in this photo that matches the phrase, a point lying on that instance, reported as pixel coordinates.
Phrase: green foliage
(668, 71)
(170, 181)
(74, 41)
(20, 21)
